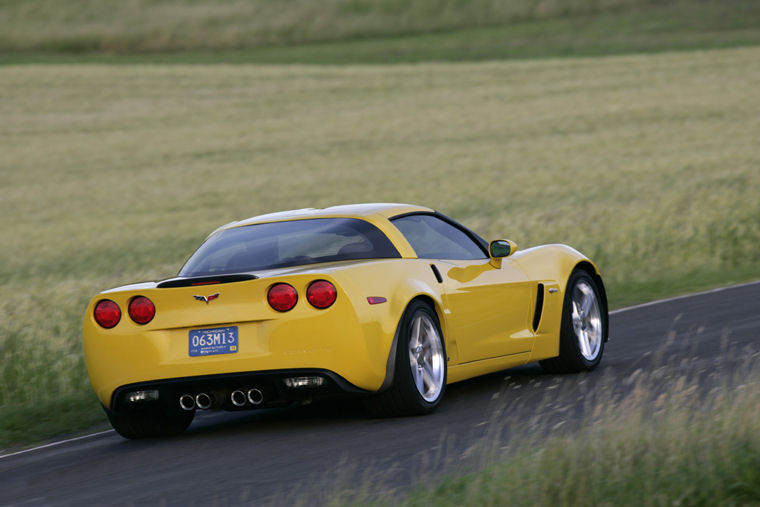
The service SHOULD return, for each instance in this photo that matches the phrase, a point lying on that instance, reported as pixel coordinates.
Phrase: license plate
(210, 342)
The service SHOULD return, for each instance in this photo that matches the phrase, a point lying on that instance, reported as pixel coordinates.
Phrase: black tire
(403, 397)
(159, 421)
(573, 357)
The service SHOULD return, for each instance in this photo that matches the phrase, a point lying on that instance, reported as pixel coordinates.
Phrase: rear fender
(407, 291)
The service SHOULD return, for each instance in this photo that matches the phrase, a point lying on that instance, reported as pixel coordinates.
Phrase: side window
(433, 238)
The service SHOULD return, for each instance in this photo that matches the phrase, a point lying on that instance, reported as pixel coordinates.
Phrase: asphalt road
(308, 451)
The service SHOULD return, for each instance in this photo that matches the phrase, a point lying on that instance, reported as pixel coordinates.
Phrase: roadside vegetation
(670, 438)
(363, 31)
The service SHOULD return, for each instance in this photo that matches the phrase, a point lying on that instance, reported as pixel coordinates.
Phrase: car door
(488, 307)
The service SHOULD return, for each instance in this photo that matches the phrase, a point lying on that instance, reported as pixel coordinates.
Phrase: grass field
(172, 25)
(112, 174)
(363, 31)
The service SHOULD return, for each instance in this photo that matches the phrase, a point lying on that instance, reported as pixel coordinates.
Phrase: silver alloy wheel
(587, 320)
(426, 357)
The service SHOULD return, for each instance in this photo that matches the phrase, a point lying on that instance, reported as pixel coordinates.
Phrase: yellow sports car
(386, 301)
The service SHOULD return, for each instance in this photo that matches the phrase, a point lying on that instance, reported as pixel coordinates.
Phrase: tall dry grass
(671, 440)
(674, 432)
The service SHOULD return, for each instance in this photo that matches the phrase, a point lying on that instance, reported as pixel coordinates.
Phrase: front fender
(557, 262)
(553, 262)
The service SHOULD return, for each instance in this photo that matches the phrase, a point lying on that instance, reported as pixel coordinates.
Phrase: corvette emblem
(207, 299)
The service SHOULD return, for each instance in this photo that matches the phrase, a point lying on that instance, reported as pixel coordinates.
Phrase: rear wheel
(419, 378)
(584, 327)
(155, 422)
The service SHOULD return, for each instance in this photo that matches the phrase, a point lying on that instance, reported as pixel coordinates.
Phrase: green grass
(23, 423)
(172, 25)
(364, 31)
(676, 447)
(113, 174)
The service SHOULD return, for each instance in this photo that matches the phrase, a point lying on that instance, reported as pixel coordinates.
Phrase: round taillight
(321, 294)
(107, 313)
(142, 310)
(282, 297)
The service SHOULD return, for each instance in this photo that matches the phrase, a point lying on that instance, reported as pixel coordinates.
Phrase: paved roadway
(260, 456)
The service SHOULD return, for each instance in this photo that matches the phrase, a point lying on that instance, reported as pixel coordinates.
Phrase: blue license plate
(210, 342)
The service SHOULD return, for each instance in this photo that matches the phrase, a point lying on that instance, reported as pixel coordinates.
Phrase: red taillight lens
(321, 294)
(142, 310)
(107, 313)
(282, 297)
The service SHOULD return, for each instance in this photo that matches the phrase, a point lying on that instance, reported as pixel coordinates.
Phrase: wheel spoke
(419, 381)
(576, 311)
(416, 332)
(429, 330)
(583, 341)
(588, 299)
(428, 380)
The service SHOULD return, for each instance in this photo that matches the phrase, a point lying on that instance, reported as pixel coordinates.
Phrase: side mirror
(499, 249)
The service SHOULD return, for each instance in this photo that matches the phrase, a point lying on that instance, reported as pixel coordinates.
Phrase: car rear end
(232, 343)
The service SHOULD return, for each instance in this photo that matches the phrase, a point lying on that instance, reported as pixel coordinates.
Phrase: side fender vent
(539, 307)
(436, 273)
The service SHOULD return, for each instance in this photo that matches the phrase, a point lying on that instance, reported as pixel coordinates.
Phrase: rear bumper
(271, 384)
(350, 344)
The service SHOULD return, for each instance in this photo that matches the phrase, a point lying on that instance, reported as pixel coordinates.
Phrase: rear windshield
(281, 244)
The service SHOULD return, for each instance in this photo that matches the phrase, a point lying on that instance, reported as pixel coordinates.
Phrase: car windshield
(292, 243)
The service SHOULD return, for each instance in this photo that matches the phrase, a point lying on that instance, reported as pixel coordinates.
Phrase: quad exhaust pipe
(238, 398)
(205, 401)
(187, 402)
(202, 401)
(255, 396)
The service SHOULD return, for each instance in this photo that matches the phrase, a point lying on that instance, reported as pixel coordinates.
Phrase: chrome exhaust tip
(203, 401)
(187, 402)
(255, 396)
(238, 398)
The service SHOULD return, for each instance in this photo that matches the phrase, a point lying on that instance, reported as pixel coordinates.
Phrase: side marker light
(376, 300)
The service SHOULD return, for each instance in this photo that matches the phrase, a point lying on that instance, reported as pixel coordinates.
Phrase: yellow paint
(491, 308)
(485, 314)
(465, 371)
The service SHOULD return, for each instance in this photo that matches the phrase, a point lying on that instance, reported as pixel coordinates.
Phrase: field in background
(110, 174)
(171, 25)
(363, 31)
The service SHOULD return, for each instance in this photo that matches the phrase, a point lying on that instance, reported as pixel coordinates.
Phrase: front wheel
(419, 377)
(584, 327)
